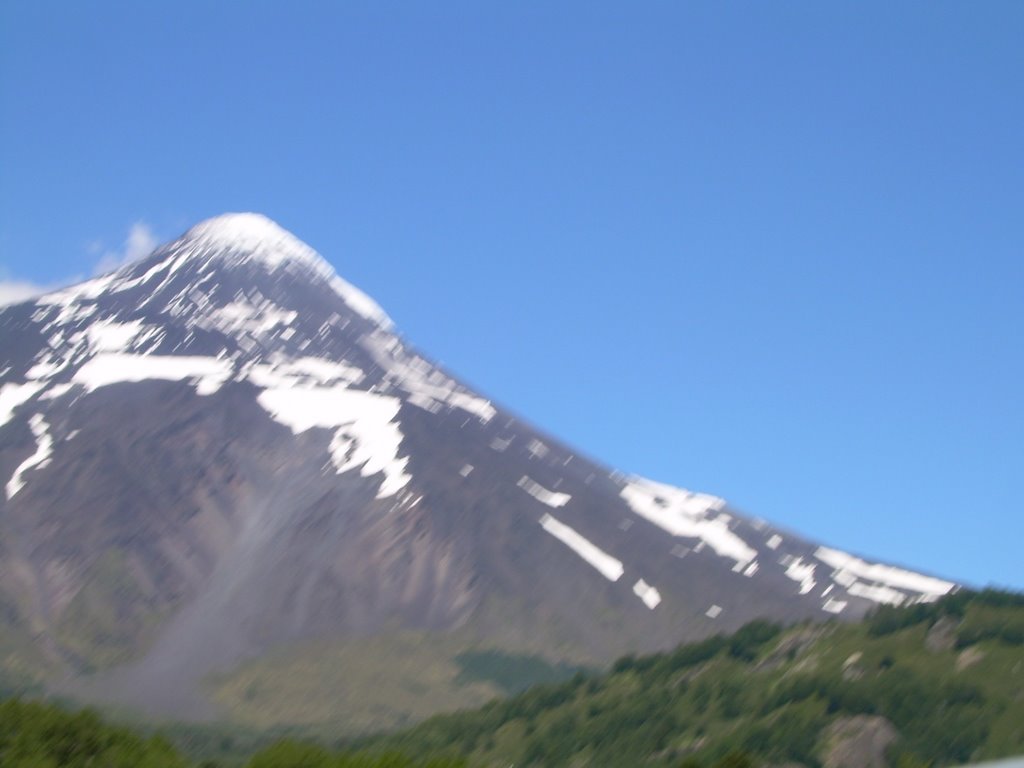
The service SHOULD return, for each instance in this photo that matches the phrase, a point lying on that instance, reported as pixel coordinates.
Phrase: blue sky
(771, 251)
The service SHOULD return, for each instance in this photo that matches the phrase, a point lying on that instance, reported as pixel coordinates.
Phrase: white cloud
(140, 242)
(14, 291)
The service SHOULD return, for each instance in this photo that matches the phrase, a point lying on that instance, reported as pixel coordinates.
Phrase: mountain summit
(225, 451)
(252, 235)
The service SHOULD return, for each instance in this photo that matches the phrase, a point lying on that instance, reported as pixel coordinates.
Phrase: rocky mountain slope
(225, 451)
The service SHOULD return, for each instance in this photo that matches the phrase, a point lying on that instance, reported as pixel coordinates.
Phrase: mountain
(233, 487)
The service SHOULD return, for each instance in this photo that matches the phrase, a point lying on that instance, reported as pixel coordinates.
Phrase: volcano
(225, 453)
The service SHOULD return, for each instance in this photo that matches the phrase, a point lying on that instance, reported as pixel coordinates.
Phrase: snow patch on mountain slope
(426, 386)
(56, 391)
(39, 459)
(361, 303)
(168, 265)
(68, 301)
(537, 449)
(46, 367)
(878, 593)
(800, 572)
(647, 593)
(67, 348)
(288, 372)
(686, 514)
(605, 564)
(244, 316)
(849, 570)
(367, 433)
(14, 395)
(832, 605)
(208, 373)
(542, 494)
(111, 336)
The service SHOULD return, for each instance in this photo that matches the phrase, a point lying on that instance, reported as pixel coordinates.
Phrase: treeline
(986, 621)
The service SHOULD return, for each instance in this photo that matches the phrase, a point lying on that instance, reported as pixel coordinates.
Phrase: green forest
(933, 684)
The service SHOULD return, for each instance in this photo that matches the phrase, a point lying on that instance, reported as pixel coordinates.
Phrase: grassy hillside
(932, 684)
(381, 682)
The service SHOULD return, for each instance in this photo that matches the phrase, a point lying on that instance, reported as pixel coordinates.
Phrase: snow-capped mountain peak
(254, 239)
(239, 299)
(255, 236)
(244, 431)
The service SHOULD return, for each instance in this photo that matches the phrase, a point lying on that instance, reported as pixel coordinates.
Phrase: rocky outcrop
(859, 742)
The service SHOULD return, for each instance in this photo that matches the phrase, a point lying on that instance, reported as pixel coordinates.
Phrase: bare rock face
(968, 657)
(859, 742)
(852, 668)
(792, 646)
(942, 635)
(225, 449)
